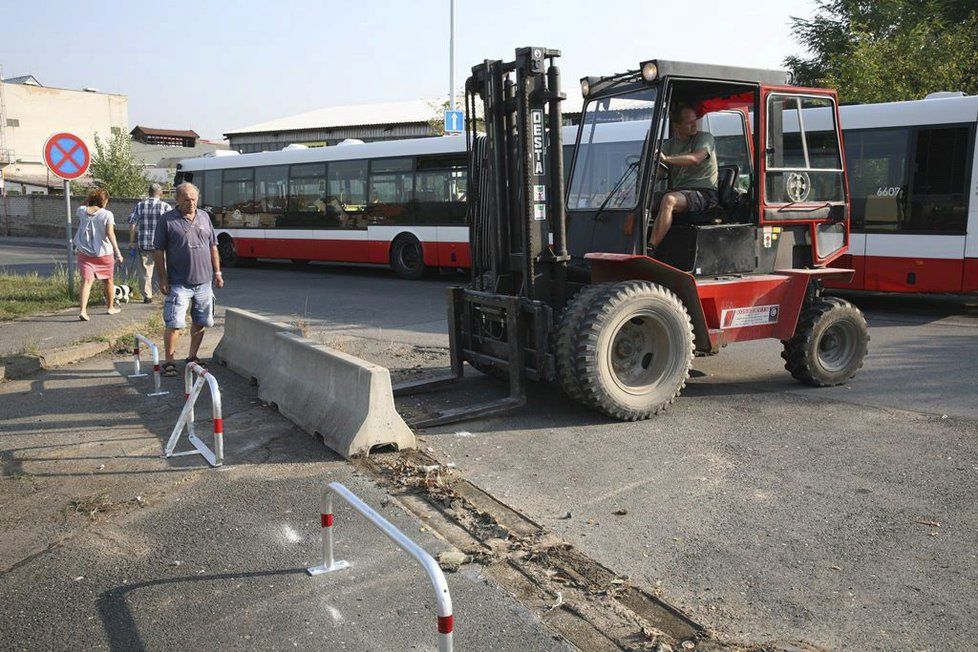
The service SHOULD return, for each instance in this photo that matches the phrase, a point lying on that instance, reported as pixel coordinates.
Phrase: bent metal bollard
(137, 373)
(446, 621)
(192, 390)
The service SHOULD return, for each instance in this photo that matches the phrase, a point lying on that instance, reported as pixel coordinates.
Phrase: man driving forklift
(691, 158)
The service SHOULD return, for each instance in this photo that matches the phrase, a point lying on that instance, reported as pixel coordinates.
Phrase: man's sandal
(169, 369)
(195, 359)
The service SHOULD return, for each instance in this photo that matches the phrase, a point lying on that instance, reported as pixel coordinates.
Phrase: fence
(136, 371)
(446, 621)
(43, 216)
(186, 420)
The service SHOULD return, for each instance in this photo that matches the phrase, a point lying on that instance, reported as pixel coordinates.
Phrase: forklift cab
(781, 196)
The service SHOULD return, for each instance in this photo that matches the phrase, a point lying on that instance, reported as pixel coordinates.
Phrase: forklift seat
(727, 176)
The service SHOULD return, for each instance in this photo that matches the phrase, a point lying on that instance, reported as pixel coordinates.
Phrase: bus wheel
(225, 247)
(829, 344)
(407, 257)
(634, 350)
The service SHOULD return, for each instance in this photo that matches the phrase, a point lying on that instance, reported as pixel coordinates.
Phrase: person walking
(187, 263)
(97, 249)
(142, 232)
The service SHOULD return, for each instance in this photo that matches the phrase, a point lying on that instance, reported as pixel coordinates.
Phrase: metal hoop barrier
(136, 371)
(446, 622)
(186, 420)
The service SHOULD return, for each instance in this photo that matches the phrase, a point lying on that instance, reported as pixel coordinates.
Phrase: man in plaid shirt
(143, 220)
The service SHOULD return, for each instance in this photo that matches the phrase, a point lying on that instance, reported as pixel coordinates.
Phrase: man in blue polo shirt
(187, 263)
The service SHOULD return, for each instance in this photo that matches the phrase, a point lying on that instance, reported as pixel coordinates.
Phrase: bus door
(916, 216)
(970, 277)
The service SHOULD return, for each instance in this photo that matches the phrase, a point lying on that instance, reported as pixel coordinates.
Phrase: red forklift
(565, 285)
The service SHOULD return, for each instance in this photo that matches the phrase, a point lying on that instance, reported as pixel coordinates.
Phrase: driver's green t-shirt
(702, 175)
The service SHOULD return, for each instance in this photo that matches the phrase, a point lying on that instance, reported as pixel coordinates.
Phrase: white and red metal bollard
(138, 373)
(446, 621)
(192, 389)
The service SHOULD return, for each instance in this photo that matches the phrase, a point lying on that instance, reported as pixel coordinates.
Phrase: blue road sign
(454, 121)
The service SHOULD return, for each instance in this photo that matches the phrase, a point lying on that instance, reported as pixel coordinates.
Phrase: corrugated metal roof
(347, 116)
(176, 133)
(386, 113)
(29, 80)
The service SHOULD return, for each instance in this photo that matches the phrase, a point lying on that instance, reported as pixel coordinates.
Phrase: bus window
(271, 193)
(348, 191)
(238, 189)
(211, 194)
(391, 189)
(876, 160)
(307, 196)
(938, 194)
(440, 187)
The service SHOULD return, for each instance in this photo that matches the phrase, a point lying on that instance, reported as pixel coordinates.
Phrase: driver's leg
(673, 202)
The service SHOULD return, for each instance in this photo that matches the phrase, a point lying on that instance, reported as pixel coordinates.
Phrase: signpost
(454, 121)
(68, 158)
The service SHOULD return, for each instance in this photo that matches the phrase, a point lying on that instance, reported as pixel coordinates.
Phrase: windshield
(606, 173)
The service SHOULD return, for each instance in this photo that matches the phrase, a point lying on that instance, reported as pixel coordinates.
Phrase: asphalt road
(766, 509)
(843, 517)
(16, 258)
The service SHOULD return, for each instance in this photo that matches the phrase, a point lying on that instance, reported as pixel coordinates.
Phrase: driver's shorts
(700, 199)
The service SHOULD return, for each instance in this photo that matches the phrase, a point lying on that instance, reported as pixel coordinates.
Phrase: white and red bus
(913, 183)
(914, 189)
(398, 203)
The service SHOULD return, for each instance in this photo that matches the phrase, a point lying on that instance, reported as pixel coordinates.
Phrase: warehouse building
(366, 122)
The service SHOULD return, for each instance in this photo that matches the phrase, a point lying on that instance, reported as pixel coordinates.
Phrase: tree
(889, 50)
(116, 169)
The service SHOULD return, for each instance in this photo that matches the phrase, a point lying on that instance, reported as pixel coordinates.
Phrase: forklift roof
(719, 72)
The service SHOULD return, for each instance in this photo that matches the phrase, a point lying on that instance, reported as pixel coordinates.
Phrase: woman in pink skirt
(97, 248)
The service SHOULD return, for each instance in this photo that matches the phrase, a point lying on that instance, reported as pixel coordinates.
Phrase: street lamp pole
(451, 57)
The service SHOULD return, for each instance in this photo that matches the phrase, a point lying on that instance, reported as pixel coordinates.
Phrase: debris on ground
(621, 511)
(452, 560)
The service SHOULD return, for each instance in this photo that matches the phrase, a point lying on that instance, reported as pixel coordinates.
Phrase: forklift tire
(829, 343)
(407, 257)
(634, 351)
(565, 340)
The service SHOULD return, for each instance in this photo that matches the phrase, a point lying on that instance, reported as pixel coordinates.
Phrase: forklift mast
(518, 234)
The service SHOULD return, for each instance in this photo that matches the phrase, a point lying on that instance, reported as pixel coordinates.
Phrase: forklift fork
(458, 348)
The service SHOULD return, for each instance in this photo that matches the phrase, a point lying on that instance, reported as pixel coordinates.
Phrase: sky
(217, 66)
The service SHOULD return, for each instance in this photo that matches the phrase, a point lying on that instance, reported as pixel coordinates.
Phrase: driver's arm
(695, 157)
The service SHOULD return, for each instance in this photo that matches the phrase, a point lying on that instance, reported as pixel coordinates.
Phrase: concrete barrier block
(346, 400)
(248, 342)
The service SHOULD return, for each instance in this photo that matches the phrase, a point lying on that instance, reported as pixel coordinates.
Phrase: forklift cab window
(606, 169)
(803, 160)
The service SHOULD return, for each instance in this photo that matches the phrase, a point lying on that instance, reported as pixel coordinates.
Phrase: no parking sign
(66, 156)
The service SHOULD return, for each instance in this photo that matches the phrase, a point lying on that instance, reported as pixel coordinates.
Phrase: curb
(22, 366)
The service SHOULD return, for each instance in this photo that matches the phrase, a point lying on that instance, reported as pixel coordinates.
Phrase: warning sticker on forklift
(539, 212)
(752, 316)
(539, 192)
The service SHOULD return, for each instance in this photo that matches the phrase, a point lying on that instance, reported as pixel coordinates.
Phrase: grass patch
(29, 294)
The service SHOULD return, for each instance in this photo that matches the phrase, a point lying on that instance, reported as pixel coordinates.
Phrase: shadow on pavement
(118, 621)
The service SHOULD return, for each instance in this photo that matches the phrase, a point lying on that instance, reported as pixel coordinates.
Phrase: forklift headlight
(649, 71)
(585, 87)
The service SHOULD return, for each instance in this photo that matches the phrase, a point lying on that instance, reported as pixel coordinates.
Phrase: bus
(913, 186)
(914, 189)
(398, 203)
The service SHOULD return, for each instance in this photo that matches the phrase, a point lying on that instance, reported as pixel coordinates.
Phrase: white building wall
(41, 111)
